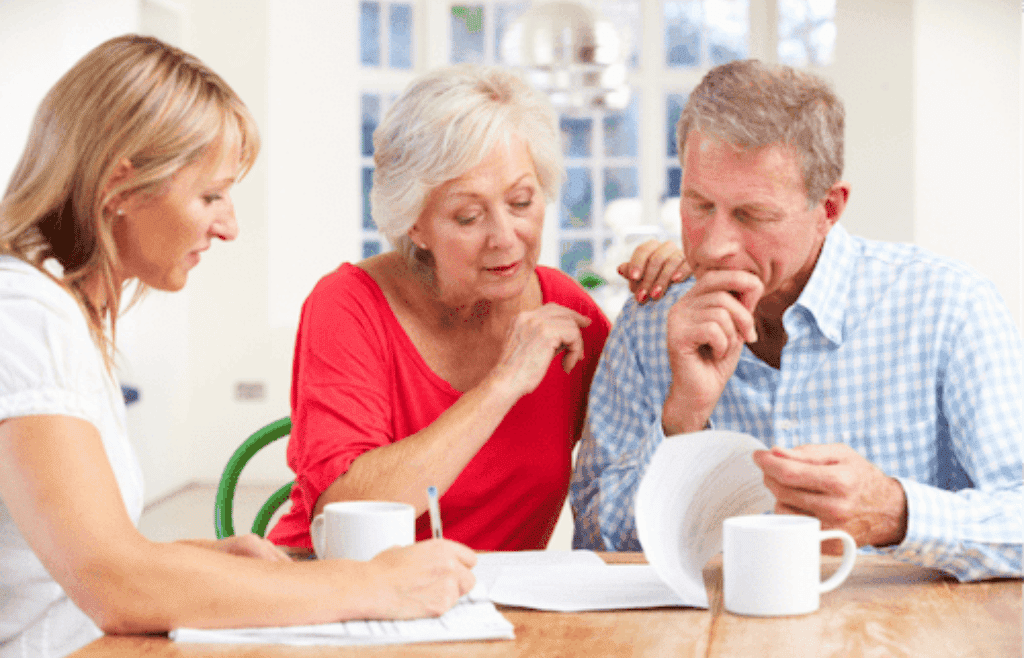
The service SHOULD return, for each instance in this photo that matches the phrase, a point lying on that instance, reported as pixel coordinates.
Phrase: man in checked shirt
(886, 380)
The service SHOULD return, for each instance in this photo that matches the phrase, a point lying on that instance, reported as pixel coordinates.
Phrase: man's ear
(123, 172)
(835, 201)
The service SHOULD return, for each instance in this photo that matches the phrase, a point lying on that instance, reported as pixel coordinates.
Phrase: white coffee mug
(359, 529)
(771, 564)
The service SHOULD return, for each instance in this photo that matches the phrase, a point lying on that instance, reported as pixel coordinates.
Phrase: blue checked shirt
(909, 358)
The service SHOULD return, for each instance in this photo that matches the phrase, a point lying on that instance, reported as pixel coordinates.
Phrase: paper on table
(694, 482)
(467, 620)
(577, 588)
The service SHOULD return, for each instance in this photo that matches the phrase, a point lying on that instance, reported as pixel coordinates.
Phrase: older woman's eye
(522, 204)
(463, 220)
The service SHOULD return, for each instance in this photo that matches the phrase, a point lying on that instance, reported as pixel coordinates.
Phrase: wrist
(895, 528)
(679, 417)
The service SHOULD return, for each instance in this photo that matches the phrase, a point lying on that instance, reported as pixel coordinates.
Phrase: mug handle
(849, 555)
(316, 533)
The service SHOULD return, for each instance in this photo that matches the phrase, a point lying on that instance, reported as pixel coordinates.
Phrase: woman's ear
(123, 172)
(416, 235)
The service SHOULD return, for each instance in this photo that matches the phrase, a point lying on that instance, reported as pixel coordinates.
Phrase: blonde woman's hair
(751, 105)
(131, 98)
(444, 124)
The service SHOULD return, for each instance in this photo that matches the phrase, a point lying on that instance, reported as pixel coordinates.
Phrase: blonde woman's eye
(522, 204)
(211, 198)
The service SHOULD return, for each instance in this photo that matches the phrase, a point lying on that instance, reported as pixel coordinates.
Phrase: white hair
(444, 124)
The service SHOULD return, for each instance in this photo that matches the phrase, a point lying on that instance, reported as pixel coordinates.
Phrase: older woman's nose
(502, 230)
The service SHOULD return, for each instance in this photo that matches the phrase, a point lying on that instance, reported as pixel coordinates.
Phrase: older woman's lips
(505, 270)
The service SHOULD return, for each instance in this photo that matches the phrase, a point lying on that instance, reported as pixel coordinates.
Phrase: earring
(119, 212)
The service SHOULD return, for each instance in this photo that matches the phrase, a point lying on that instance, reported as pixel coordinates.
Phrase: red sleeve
(340, 383)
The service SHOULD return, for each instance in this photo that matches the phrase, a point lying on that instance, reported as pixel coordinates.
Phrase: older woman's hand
(653, 267)
(534, 339)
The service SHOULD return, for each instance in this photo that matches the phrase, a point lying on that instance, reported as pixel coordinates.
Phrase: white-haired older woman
(455, 360)
(126, 177)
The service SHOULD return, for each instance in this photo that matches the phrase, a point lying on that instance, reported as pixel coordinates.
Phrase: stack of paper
(693, 483)
(468, 620)
(573, 581)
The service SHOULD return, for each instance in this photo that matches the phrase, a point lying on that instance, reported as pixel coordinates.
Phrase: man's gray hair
(446, 123)
(751, 105)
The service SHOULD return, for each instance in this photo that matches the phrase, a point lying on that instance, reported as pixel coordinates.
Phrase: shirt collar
(826, 292)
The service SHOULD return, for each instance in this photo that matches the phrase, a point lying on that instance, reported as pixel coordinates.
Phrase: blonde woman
(126, 178)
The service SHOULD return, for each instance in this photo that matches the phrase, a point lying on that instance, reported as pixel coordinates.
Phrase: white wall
(967, 136)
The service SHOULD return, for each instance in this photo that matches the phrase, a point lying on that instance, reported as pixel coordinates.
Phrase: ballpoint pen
(435, 512)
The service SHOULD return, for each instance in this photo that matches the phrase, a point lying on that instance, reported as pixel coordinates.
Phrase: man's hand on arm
(838, 486)
(707, 328)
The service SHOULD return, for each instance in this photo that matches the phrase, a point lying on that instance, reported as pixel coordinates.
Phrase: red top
(358, 383)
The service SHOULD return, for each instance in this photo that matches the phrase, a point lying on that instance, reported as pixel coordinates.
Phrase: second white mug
(771, 564)
(360, 529)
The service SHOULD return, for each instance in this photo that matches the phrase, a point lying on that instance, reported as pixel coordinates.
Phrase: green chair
(225, 503)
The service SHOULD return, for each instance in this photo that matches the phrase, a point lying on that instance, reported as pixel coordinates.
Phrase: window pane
(728, 23)
(575, 254)
(622, 130)
(369, 33)
(674, 107)
(400, 37)
(370, 106)
(621, 183)
(505, 13)
(626, 16)
(682, 32)
(807, 32)
(371, 248)
(467, 34)
(578, 135)
(577, 198)
(368, 224)
(675, 178)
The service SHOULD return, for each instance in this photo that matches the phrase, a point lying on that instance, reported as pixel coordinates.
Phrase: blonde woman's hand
(535, 338)
(422, 580)
(653, 267)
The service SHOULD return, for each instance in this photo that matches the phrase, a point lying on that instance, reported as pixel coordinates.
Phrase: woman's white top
(49, 364)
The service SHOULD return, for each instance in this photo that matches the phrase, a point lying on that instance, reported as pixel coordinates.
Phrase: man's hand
(707, 328)
(839, 487)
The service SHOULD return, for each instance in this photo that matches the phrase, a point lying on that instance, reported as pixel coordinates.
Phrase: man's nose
(720, 238)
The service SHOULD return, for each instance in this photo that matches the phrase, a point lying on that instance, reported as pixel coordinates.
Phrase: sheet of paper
(694, 482)
(489, 566)
(467, 620)
(587, 587)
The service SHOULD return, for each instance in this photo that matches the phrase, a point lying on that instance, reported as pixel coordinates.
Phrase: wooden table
(885, 608)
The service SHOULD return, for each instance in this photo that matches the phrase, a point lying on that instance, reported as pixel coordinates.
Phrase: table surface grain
(885, 608)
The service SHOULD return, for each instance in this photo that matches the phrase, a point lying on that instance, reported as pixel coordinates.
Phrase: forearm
(972, 534)
(434, 456)
(144, 587)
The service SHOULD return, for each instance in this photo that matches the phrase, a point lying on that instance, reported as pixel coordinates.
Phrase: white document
(467, 620)
(568, 581)
(578, 588)
(694, 482)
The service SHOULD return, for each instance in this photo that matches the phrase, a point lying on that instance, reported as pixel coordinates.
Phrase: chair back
(224, 505)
